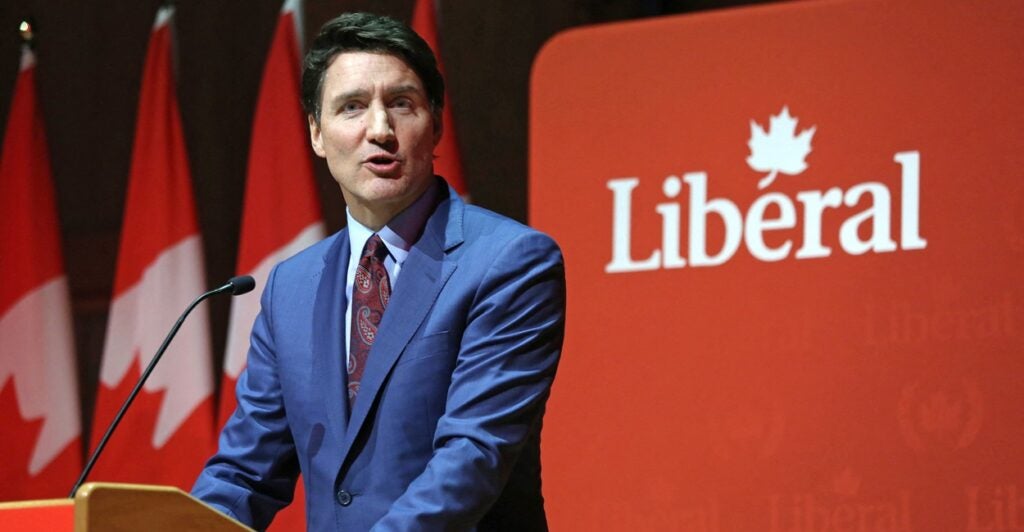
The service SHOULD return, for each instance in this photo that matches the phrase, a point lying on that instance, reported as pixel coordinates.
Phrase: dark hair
(366, 32)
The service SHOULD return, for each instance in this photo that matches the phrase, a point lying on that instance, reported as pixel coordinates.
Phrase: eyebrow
(357, 93)
(362, 93)
(402, 89)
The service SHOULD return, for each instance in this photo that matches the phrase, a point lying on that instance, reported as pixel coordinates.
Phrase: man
(402, 364)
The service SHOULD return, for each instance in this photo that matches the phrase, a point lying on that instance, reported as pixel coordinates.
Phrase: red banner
(793, 237)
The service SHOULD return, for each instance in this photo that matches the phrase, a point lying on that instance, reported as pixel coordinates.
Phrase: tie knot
(375, 248)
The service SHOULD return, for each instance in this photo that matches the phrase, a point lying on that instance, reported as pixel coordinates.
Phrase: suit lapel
(328, 372)
(424, 274)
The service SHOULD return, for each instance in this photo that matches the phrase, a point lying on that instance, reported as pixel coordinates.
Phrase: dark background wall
(90, 55)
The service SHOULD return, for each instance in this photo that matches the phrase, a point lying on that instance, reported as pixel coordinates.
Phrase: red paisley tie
(370, 293)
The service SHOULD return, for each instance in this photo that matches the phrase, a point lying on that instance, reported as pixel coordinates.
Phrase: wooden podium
(108, 507)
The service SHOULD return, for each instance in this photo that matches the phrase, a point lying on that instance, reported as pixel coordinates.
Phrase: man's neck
(373, 219)
(407, 223)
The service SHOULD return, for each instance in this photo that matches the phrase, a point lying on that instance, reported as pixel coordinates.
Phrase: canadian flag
(281, 211)
(448, 163)
(39, 412)
(169, 432)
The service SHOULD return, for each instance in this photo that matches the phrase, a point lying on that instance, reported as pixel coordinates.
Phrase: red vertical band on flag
(38, 383)
(169, 433)
(159, 209)
(448, 162)
(281, 209)
(29, 213)
(280, 173)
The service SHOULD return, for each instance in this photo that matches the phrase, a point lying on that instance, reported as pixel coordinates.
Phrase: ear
(315, 136)
(438, 129)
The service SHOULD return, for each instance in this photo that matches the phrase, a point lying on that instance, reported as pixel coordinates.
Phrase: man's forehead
(363, 66)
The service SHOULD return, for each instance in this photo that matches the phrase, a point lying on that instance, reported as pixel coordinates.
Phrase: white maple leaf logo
(779, 149)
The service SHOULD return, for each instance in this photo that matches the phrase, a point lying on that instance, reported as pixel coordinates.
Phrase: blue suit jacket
(445, 434)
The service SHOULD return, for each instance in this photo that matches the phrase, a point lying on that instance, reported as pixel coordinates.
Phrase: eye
(352, 107)
(402, 103)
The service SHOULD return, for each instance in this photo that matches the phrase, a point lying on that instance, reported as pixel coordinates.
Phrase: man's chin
(387, 192)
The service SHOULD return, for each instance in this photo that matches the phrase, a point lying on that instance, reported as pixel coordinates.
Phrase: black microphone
(237, 286)
(243, 284)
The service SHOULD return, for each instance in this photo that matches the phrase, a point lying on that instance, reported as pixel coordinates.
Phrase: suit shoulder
(496, 229)
(310, 259)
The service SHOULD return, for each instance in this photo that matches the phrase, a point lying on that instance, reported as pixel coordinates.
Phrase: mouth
(382, 163)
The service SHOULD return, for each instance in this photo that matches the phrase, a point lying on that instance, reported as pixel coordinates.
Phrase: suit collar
(445, 225)
(328, 328)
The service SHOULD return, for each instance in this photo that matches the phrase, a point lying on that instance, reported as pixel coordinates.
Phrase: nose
(379, 129)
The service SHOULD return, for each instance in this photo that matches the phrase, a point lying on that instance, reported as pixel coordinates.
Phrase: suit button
(344, 498)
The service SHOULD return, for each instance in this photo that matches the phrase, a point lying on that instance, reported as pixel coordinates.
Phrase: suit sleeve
(502, 378)
(253, 474)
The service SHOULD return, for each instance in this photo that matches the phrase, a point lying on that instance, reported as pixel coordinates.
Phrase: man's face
(377, 133)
